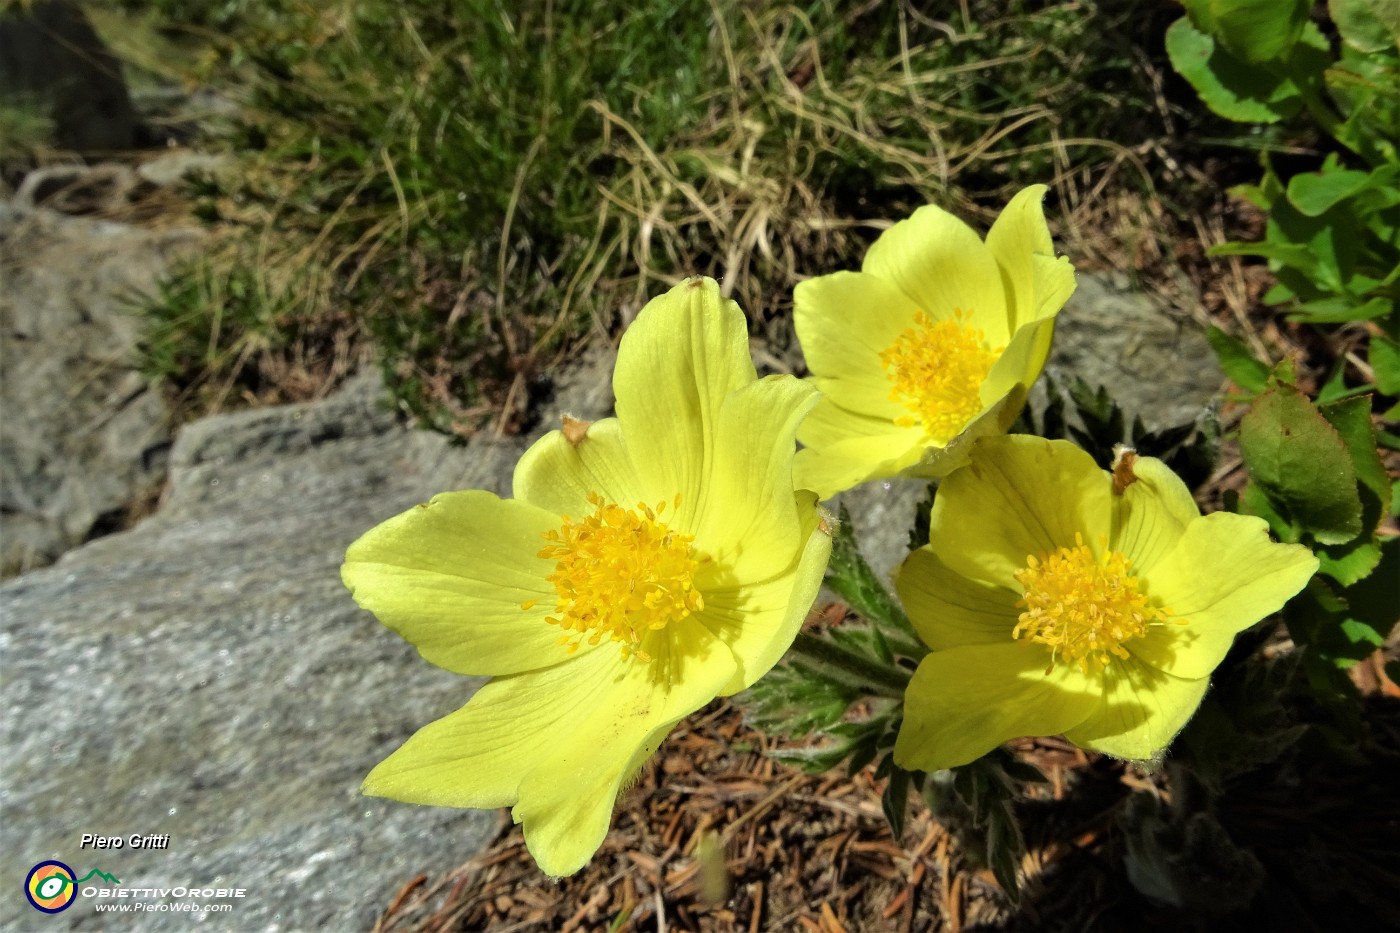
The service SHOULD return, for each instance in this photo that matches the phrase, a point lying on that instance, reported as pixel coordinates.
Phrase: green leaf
(1366, 25)
(1365, 88)
(1372, 601)
(863, 752)
(1361, 634)
(1255, 30)
(813, 760)
(1256, 502)
(795, 699)
(1385, 364)
(895, 800)
(1241, 723)
(1005, 847)
(1335, 387)
(1348, 563)
(1315, 193)
(1231, 87)
(1284, 253)
(1352, 419)
(1238, 362)
(851, 577)
(1302, 465)
(1341, 309)
(923, 512)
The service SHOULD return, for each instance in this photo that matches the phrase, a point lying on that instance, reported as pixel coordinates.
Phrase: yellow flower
(932, 344)
(647, 564)
(1059, 598)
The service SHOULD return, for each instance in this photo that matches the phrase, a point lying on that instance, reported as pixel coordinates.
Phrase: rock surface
(206, 675)
(84, 436)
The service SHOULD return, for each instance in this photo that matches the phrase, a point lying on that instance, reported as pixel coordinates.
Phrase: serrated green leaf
(1285, 372)
(850, 576)
(1336, 626)
(919, 529)
(1373, 600)
(1352, 419)
(1302, 465)
(1385, 364)
(1348, 563)
(1103, 422)
(1237, 360)
(1231, 87)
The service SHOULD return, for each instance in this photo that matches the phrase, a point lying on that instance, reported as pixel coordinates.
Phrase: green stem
(851, 667)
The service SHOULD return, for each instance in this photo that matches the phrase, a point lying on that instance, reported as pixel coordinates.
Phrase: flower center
(937, 369)
(620, 573)
(1084, 608)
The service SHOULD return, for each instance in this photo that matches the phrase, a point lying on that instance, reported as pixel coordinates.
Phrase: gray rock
(1154, 360)
(84, 436)
(206, 675)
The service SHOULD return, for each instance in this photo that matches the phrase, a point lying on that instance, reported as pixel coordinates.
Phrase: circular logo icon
(50, 887)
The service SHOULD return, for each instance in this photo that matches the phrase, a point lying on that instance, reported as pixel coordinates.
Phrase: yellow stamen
(621, 573)
(937, 369)
(1084, 608)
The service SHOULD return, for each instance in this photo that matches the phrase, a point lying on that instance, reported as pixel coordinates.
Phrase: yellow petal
(1223, 575)
(1054, 284)
(964, 702)
(566, 803)
(844, 321)
(684, 353)
(1016, 239)
(477, 756)
(1151, 514)
(747, 520)
(1020, 496)
(558, 475)
(450, 576)
(557, 744)
(942, 265)
(937, 462)
(831, 423)
(948, 609)
(837, 467)
(1142, 710)
(758, 621)
(1020, 363)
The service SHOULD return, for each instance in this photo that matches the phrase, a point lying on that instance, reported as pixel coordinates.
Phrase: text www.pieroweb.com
(177, 907)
